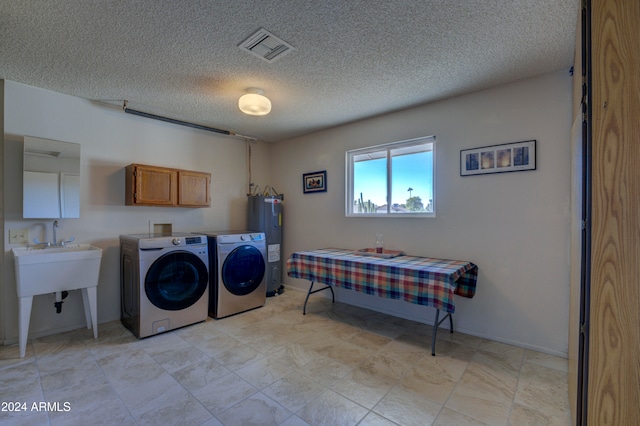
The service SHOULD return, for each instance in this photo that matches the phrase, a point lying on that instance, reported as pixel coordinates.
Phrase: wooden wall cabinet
(194, 189)
(163, 186)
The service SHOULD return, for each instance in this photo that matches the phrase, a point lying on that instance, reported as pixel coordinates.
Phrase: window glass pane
(412, 183)
(369, 185)
(394, 179)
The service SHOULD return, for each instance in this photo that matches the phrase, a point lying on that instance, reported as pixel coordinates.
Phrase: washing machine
(164, 281)
(237, 261)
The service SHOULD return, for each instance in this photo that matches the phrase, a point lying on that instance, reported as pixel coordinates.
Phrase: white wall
(111, 140)
(514, 226)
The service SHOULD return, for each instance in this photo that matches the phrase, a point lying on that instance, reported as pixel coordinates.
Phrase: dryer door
(243, 270)
(176, 280)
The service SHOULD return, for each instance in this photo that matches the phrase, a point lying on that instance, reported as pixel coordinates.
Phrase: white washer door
(176, 280)
(243, 270)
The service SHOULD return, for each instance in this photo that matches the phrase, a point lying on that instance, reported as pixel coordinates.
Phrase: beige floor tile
(540, 374)
(109, 332)
(269, 343)
(10, 355)
(199, 374)
(364, 387)
(403, 353)
(86, 369)
(484, 393)
(184, 409)
(461, 338)
(23, 388)
(217, 345)
(212, 422)
(249, 333)
(543, 389)
(153, 393)
(449, 417)
(373, 419)
(386, 366)
(294, 421)
(223, 393)
(368, 340)
(264, 372)
(508, 358)
(27, 417)
(238, 357)
(257, 409)
(546, 360)
(453, 350)
(89, 402)
(337, 349)
(526, 416)
(24, 374)
(325, 371)
(294, 391)
(433, 378)
(384, 328)
(407, 408)
(295, 355)
(331, 409)
(177, 357)
(201, 331)
(61, 359)
(130, 367)
(339, 364)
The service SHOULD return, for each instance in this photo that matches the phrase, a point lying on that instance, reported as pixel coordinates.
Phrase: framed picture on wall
(508, 157)
(314, 182)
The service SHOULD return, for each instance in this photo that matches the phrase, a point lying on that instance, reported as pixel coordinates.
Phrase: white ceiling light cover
(254, 103)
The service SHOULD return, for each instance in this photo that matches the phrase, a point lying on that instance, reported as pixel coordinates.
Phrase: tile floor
(338, 365)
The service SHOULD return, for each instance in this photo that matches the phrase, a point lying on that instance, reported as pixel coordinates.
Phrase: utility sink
(51, 269)
(56, 269)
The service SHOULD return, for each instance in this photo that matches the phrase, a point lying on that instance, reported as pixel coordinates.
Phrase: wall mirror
(51, 179)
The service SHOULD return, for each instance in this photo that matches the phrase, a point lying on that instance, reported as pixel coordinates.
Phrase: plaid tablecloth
(419, 280)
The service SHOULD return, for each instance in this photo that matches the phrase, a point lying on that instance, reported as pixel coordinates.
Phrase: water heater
(264, 214)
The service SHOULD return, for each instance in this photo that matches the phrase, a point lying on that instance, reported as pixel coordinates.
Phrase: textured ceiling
(352, 59)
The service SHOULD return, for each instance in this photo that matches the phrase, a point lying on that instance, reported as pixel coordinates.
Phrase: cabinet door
(153, 186)
(194, 189)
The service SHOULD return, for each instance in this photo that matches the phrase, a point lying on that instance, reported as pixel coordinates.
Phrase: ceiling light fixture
(254, 102)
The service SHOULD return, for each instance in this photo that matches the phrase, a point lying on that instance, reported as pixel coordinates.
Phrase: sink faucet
(55, 242)
(55, 225)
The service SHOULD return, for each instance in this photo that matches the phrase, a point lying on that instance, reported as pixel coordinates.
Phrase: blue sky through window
(409, 171)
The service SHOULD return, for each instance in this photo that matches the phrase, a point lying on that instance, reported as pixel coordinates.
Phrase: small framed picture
(508, 157)
(314, 182)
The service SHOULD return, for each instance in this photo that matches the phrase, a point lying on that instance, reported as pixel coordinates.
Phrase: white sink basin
(51, 269)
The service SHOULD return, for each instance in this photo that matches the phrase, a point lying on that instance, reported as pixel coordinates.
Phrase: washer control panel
(154, 243)
(192, 240)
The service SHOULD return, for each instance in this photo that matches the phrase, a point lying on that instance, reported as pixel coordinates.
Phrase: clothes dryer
(237, 261)
(164, 281)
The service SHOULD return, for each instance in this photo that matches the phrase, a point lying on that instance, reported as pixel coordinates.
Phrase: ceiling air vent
(265, 45)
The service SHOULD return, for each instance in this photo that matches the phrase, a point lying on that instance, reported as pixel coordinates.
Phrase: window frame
(350, 156)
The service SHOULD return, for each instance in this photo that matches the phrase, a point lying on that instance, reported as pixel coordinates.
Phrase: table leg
(310, 292)
(24, 313)
(436, 325)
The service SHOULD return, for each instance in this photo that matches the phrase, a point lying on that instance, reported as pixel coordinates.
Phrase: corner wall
(514, 226)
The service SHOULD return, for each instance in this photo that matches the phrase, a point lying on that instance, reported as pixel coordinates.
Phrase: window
(393, 180)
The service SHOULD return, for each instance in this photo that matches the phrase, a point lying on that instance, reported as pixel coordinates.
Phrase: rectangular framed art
(314, 182)
(508, 157)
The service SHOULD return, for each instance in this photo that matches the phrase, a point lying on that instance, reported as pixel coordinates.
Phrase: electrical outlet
(19, 236)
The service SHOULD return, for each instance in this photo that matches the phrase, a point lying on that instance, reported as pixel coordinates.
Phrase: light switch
(19, 236)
